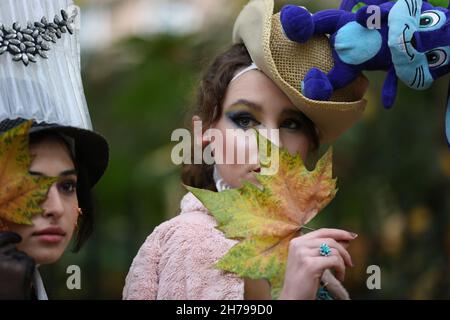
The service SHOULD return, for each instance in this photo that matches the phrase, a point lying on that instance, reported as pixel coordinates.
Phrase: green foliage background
(393, 170)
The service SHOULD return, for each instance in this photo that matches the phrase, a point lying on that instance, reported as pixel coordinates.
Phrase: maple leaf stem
(308, 228)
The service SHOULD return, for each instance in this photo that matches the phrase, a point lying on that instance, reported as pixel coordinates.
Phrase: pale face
(254, 101)
(48, 237)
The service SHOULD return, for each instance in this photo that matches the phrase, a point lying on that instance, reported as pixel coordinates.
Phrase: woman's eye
(68, 187)
(244, 121)
(291, 124)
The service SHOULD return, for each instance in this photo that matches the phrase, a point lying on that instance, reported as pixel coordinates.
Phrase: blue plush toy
(410, 39)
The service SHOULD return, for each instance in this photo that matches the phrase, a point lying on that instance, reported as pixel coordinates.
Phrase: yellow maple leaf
(265, 218)
(21, 194)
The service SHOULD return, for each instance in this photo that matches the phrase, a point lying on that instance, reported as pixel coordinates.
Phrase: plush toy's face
(419, 39)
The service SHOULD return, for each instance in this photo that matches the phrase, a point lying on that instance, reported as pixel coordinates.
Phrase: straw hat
(287, 63)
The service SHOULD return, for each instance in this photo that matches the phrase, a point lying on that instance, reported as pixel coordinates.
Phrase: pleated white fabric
(49, 90)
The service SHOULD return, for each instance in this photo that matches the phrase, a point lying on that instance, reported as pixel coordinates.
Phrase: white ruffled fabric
(38, 284)
(221, 185)
(50, 90)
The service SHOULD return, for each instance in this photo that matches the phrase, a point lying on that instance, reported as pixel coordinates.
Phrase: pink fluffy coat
(177, 261)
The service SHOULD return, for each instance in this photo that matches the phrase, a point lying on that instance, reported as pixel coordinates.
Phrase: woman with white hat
(255, 84)
(40, 80)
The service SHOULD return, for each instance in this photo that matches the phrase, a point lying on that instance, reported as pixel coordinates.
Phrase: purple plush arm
(329, 21)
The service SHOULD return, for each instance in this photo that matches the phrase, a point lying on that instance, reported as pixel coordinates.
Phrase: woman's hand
(16, 269)
(306, 265)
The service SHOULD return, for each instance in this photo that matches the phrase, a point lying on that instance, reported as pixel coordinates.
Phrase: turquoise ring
(324, 250)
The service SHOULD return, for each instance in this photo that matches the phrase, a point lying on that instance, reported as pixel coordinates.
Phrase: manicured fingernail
(354, 235)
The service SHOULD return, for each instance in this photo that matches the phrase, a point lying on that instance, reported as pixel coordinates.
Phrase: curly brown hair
(208, 107)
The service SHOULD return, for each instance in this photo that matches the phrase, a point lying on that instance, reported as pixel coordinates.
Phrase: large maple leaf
(21, 194)
(265, 218)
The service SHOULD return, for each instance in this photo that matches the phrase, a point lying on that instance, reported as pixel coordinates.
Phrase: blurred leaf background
(393, 168)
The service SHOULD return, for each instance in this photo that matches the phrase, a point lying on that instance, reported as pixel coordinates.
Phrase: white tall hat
(40, 76)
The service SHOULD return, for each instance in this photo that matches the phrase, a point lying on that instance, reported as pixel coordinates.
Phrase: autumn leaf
(21, 194)
(265, 218)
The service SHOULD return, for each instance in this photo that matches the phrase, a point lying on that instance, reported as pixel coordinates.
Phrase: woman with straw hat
(255, 84)
(40, 80)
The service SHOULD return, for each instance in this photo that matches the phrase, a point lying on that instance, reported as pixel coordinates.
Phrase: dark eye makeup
(242, 119)
(67, 186)
(245, 120)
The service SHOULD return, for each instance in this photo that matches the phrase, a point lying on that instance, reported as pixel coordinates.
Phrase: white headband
(249, 68)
